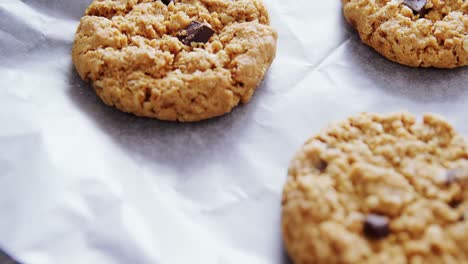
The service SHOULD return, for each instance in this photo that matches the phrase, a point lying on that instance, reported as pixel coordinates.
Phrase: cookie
(177, 60)
(379, 189)
(417, 33)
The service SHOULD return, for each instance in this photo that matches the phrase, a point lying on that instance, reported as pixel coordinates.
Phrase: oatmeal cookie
(177, 60)
(379, 189)
(417, 33)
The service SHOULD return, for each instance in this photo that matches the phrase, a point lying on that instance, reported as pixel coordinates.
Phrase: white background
(84, 183)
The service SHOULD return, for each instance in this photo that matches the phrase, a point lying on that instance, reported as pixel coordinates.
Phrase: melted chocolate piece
(321, 165)
(376, 226)
(195, 32)
(167, 2)
(455, 203)
(416, 5)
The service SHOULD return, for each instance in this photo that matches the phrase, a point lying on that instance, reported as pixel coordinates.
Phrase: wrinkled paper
(85, 183)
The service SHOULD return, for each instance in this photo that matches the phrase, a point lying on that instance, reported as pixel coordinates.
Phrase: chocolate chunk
(455, 203)
(416, 5)
(167, 2)
(195, 32)
(376, 226)
(322, 165)
(424, 12)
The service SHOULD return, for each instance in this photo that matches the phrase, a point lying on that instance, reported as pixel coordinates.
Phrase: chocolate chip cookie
(177, 60)
(417, 33)
(379, 189)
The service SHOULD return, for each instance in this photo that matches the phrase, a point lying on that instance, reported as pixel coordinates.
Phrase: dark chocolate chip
(195, 32)
(167, 2)
(455, 203)
(416, 5)
(322, 165)
(424, 12)
(148, 95)
(376, 226)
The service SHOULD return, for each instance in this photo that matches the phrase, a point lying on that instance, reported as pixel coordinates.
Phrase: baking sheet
(84, 183)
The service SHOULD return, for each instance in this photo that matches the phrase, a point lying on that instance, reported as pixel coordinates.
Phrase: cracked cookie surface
(130, 51)
(379, 189)
(436, 37)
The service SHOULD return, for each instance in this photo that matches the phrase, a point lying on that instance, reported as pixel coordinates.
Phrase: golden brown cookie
(379, 189)
(417, 33)
(179, 60)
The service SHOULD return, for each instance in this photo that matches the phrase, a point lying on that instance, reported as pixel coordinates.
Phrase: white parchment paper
(85, 183)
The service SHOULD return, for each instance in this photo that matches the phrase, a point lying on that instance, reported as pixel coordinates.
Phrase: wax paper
(84, 183)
